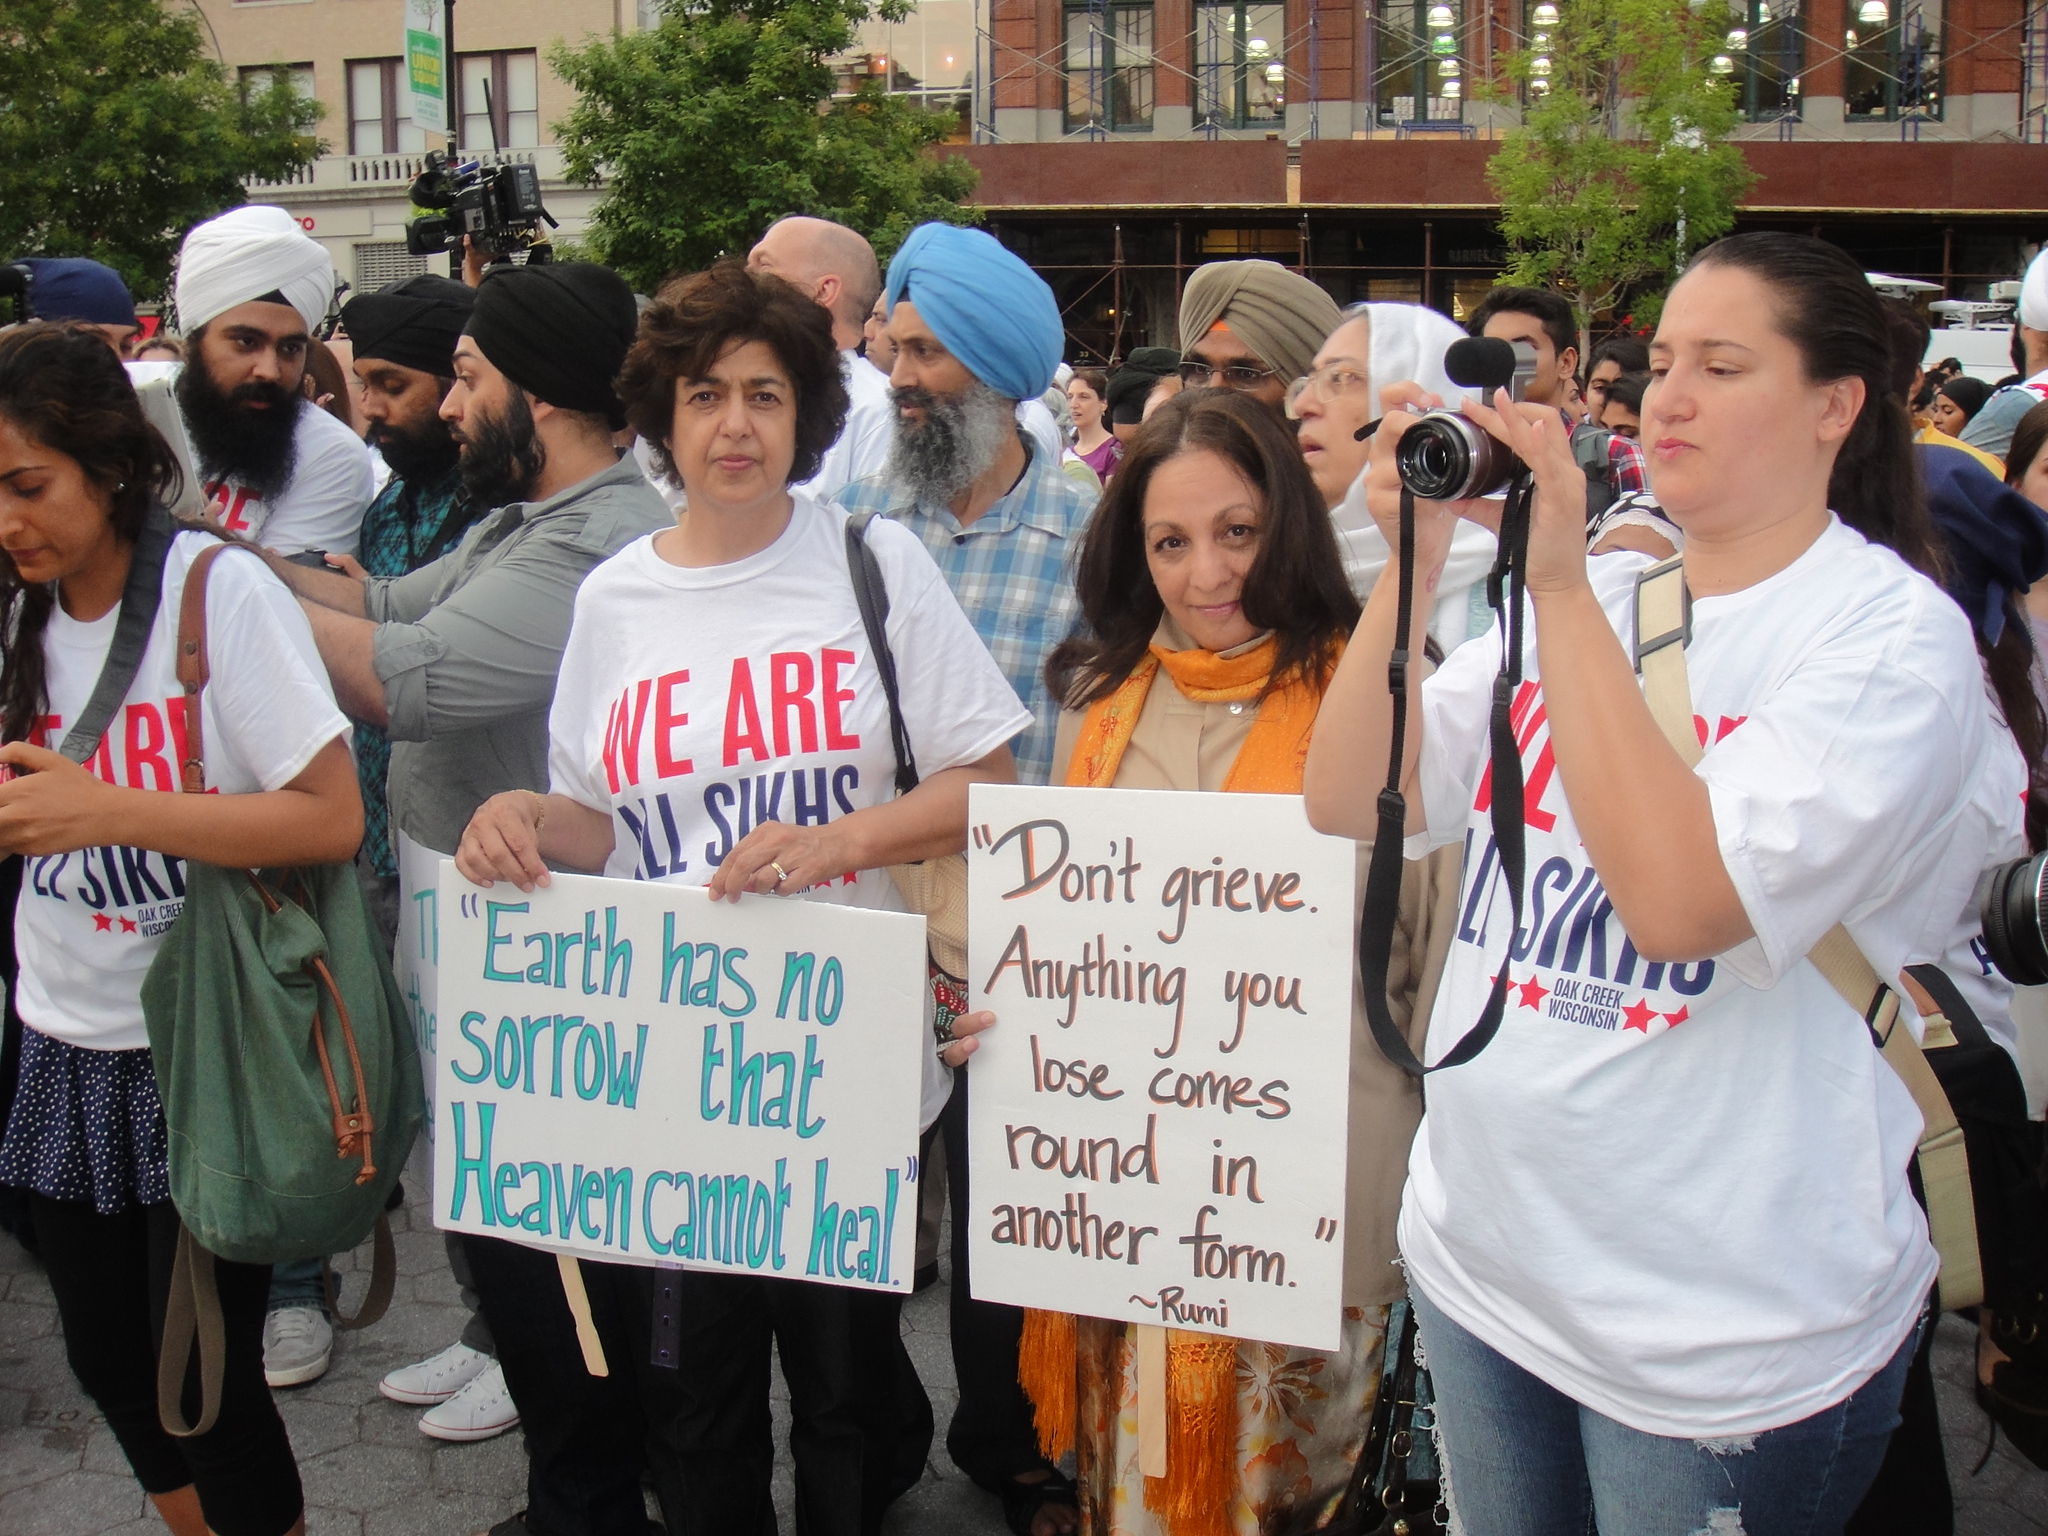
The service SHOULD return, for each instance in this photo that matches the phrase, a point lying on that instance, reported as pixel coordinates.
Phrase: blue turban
(992, 311)
(1996, 539)
(72, 288)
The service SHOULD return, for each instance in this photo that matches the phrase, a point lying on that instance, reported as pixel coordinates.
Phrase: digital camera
(497, 206)
(1447, 456)
(2009, 902)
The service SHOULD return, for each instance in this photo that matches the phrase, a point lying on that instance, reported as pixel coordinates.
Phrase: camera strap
(1504, 588)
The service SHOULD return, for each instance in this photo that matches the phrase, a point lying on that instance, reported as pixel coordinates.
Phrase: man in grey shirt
(457, 662)
(1991, 428)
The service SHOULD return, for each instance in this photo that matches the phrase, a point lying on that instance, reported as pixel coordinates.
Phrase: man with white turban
(1252, 326)
(1377, 345)
(1991, 428)
(251, 288)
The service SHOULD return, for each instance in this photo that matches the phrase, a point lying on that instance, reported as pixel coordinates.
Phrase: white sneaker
(480, 1410)
(298, 1345)
(438, 1379)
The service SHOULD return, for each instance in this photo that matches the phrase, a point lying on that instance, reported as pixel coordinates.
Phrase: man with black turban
(457, 662)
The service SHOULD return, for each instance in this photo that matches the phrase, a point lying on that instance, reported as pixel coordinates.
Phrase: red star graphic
(1533, 992)
(1494, 981)
(1638, 1015)
(102, 923)
(128, 925)
(1678, 1018)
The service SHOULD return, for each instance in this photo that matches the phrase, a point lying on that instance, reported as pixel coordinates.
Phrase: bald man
(836, 267)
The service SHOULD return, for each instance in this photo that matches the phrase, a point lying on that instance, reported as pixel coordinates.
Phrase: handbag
(289, 1077)
(937, 888)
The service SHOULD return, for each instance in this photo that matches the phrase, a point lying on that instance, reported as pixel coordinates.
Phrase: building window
(1420, 76)
(1893, 65)
(514, 101)
(1109, 67)
(1241, 58)
(256, 78)
(1766, 55)
(378, 110)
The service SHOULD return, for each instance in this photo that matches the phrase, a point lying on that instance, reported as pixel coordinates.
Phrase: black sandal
(1022, 1501)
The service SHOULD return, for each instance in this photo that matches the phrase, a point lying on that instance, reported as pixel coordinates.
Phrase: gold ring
(781, 874)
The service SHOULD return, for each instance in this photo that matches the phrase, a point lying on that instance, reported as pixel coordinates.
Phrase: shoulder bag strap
(1962, 1019)
(140, 599)
(1663, 625)
(872, 593)
(194, 669)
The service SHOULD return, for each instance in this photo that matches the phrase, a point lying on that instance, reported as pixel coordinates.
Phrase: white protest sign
(1158, 1123)
(417, 960)
(633, 1072)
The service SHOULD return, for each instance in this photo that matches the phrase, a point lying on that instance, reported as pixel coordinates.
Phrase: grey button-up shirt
(468, 647)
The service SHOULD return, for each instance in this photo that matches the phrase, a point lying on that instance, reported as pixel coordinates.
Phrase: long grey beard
(954, 445)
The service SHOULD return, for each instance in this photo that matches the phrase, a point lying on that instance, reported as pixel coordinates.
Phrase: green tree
(1621, 164)
(710, 126)
(119, 131)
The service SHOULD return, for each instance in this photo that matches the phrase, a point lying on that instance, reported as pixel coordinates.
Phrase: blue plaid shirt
(1013, 571)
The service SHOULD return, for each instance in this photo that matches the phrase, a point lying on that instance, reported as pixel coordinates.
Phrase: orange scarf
(1200, 1487)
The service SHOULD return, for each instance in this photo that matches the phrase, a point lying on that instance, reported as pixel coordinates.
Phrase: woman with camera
(1214, 610)
(1660, 1234)
(735, 383)
(84, 479)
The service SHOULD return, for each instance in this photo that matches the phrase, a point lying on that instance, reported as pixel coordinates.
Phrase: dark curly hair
(62, 387)
(690, 325)
(1296, 585)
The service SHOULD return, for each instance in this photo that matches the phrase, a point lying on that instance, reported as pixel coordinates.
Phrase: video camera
(497, 206)
(1447, 456)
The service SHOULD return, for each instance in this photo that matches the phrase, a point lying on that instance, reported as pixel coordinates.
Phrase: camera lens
(2009, 909)
(1434, 456)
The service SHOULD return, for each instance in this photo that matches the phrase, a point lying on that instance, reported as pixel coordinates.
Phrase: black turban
(559, 331)
(414, 324)
(1131, 384)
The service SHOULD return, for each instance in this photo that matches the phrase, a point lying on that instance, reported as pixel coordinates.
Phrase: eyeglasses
(1328, 383)
(1197, 374)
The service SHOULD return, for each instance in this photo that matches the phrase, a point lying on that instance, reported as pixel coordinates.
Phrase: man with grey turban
(1252, 326)
(252, 287)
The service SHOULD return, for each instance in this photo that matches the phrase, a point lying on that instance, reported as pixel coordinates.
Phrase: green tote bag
(290, 1081)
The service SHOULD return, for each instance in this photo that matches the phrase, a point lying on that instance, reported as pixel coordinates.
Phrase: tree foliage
(1626, 156)
(118, 131)
(712, 125)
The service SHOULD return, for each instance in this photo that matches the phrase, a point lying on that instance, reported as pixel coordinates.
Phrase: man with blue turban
(977, 331)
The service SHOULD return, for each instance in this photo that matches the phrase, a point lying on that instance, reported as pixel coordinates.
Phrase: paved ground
(369, 1472)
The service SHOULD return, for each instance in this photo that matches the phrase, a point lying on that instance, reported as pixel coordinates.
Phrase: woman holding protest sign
(1631, 1312)
(1215, 609)
(764, 765)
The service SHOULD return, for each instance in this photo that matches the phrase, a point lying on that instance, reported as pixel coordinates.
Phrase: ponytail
(1828, 310)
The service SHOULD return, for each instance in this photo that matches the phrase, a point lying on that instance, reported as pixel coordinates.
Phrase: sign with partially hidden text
(633, 1072)
(1158, 1123)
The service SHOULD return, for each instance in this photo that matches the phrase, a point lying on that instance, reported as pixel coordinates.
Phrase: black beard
(420, 456)
(956, 442)
(254, 448)
(501, 457)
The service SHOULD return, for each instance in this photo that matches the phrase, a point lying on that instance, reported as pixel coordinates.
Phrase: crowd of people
(1666, 1278)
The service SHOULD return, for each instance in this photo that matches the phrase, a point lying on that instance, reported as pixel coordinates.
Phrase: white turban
(2034, 295)
(246, 253)
(1409, 342)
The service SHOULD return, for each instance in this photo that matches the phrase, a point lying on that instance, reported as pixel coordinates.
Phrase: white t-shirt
(1678, 1193)
(321, 509)
(863, 445)
(694, 704)
(88, 923)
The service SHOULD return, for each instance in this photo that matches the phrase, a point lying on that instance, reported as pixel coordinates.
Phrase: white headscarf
(1408, 343)
(246, 253)
(2034, 295)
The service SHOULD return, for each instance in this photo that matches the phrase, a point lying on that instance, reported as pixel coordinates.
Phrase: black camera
(2009, 900)
(1447, 456)
(497, 206)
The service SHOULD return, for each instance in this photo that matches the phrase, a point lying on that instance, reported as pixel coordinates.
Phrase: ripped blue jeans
(1526, 1460)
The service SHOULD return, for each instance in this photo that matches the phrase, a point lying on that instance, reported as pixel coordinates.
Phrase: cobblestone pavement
(369, 1472)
